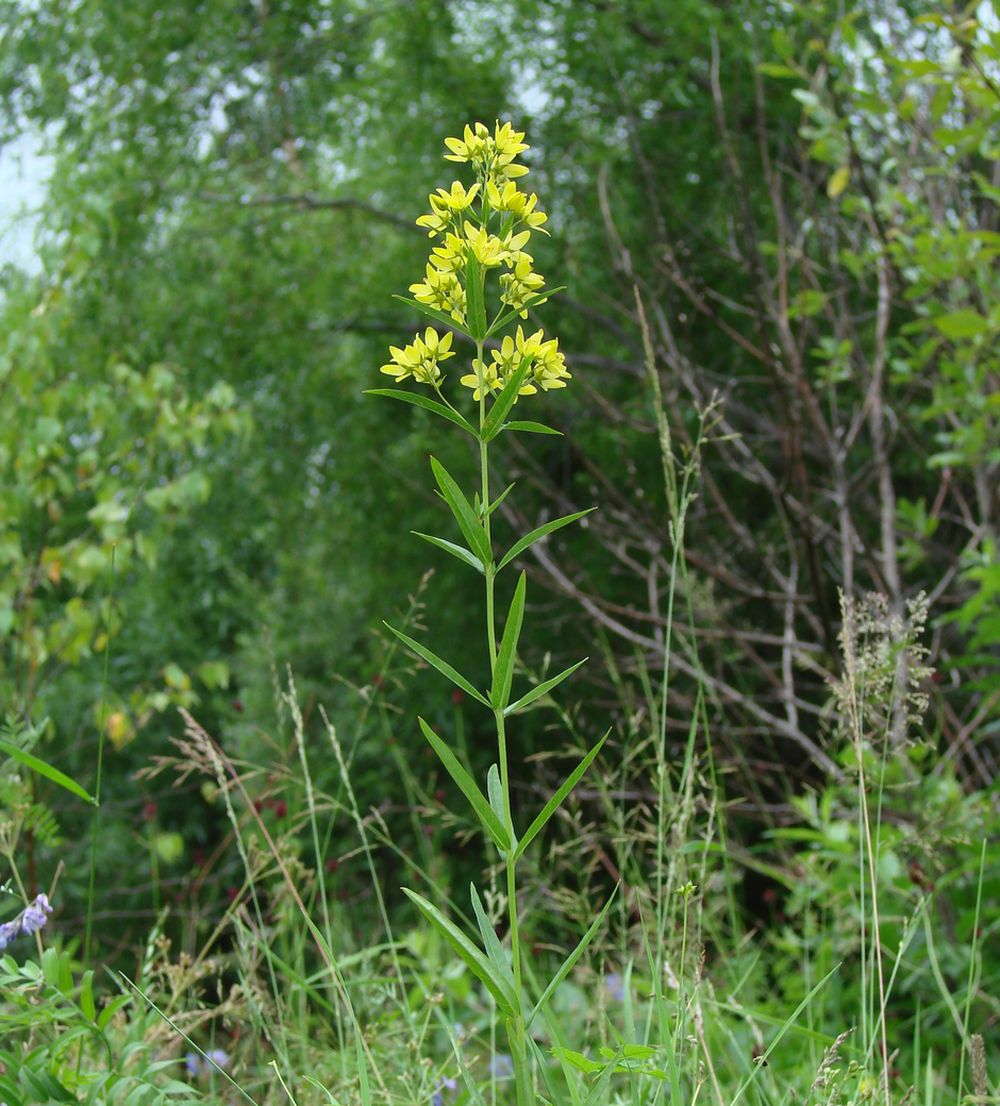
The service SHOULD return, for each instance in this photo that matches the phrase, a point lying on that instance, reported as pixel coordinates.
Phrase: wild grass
(643, 971)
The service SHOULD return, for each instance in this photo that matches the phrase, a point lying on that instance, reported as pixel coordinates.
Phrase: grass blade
(574, 956)
(540, 532)
(458, 551)
(473, 956)
(46, 770)
(442, 666)
(427, 403)
(503, 672)
(543, 688)
(469, 788)
(465, 516)
(557, 799)
(786, 1025)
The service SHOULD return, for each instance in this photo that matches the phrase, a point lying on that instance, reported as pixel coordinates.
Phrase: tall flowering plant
(480, 282)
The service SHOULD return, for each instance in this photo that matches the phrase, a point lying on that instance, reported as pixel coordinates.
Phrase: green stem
(516, 1031)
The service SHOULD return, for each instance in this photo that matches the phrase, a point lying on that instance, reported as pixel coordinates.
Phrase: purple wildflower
(192, 1063)
(614, 986)
(443, 1085)
(34, 916)
(8, 931)
(501, 1066)
(218, 1057)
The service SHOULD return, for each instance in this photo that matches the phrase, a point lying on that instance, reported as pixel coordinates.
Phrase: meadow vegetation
(563, 689)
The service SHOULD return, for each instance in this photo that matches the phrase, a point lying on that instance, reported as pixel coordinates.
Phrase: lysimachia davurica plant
(484, 230)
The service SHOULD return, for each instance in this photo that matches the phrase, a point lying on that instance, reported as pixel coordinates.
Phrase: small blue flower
(218, 1057)
(34, 915)
(614, 985)
(30, 920)
(444, 1085)
(192, 1063)
(8, 931)
(501, 1066)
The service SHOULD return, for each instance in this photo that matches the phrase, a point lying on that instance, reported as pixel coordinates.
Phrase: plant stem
(515, 1026)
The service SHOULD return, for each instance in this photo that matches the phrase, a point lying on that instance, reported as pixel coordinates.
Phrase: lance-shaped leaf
(477, 961)
(494, 792)
(503, 670)
(556, 801)
(540, 532)
(433, 313)
(474, 302)
(493, 423)
(543, 688)
(427, 403)
(442, 666)
(493, 825)
(458, 551)
(490, 940)
(570, 961)
(46, 770)
(465, 516)
(529, 301)
(499, 499)
(531, 428)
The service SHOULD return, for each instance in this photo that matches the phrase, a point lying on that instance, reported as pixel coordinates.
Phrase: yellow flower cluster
(491, 221)
(420, 358)
(547, 366)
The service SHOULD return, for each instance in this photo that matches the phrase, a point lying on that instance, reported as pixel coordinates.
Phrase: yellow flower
(451, 256)
(483, 379)
(445, 203)
(517, 286)
(487, 249)
(547, 365)
(519, 204)
(443, 290)
(472, 146)
(492, 154)
(420, 358)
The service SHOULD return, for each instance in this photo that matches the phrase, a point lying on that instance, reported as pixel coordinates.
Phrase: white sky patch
(24, 174)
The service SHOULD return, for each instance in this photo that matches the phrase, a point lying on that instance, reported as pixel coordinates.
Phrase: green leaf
(475, 305)
(469, 788)
(503, 670)
(838, 181)
(490, 940)
(499, 499)
(493, 423)
(543, 688)
(574, 956)
(87, 1004)
(433, 313)
(531, 428)
(442, 666)
(530, 301)
(494, 792)
(540, 532)
(458, 551)
(465, 516)
(427, 403)
(557, 799)
(473, 956)
(46, 770)
(961, 324)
